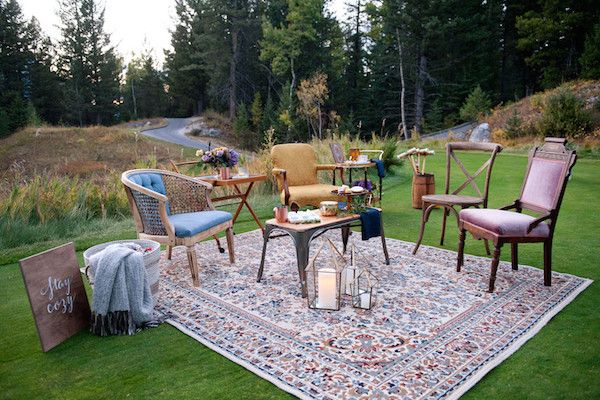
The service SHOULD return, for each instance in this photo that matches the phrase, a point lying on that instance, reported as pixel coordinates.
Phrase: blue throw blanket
(370, 223)
(380, 167)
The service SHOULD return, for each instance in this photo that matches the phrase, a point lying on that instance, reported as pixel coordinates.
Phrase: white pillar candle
(327, 289)
(365, 300)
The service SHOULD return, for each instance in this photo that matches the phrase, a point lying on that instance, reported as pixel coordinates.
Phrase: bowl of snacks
(328, 208)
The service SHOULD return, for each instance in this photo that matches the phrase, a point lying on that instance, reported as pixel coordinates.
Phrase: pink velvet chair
(541, 193)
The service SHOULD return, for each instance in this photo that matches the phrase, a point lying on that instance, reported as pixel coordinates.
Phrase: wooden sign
(56, 293)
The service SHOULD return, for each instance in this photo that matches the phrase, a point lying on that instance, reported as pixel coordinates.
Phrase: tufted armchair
(295, 166)
(542, 192)
(175, 210)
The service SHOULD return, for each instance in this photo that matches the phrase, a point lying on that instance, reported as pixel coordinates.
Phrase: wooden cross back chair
(543, 188)
(449, 200)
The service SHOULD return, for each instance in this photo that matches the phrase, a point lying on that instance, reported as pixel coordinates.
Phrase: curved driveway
(174, 132)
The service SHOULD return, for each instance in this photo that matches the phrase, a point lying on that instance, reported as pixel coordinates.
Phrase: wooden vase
(225, 172)
(422, 184)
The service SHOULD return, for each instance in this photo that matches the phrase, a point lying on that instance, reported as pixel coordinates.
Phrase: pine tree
(88, 63)
(13, 62)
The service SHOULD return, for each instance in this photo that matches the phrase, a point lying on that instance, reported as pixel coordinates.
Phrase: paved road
(174, 133)
(459, 132)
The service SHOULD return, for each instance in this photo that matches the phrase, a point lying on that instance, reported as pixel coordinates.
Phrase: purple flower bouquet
(219, 157)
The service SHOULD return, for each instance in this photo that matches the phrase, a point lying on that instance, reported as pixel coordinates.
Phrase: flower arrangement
(219, 157)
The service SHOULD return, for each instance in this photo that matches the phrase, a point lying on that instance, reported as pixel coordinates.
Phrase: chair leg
(193, 261)
(461, 249)
(424, 218)
(230, 248)
(444, 217)
(169, 252)
(487, 247)
(548, 263)
(495, 262)
(514, 256)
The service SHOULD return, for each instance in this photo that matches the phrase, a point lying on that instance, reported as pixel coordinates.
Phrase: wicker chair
(175, 210)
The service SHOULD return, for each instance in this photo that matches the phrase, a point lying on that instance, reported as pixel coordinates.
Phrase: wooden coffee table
(303, 234)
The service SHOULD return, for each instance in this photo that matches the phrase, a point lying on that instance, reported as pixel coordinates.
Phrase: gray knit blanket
(122, 302)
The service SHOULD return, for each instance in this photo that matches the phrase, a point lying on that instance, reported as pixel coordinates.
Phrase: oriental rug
(433, 334)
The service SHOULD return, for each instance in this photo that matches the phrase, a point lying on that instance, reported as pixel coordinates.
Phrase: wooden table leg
(244, 201)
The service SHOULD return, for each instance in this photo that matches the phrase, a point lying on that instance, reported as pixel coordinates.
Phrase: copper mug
(281, 213)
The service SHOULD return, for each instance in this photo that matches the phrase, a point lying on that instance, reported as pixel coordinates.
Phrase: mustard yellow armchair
(295, 167)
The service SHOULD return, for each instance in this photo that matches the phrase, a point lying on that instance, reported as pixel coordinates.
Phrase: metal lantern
(323, 279)
(364, 290)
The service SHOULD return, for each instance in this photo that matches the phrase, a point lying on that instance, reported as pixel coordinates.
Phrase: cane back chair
(175, 210)
(449, 200)
(543, 188)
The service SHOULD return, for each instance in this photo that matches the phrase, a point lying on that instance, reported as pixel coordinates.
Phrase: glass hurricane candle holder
(323, 279)
(364, 290)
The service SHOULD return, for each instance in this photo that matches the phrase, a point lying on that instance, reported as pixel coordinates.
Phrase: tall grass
(44, 199)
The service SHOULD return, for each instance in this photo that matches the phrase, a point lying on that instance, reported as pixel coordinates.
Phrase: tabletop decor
(222, 158)
(328, 208)
(432, 335)
(323, 279)
(417, 158)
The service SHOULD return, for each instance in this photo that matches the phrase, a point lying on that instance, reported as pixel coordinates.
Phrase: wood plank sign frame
(56, 293)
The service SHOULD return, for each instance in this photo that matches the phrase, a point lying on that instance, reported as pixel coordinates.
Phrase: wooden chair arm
(537, 221)
(286, 189)
(514, 205)
(326, 167)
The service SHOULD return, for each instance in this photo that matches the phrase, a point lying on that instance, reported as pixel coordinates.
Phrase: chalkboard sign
(56, 293)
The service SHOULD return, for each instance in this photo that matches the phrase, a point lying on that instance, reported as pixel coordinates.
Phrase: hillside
(80, 152)
(512, 122)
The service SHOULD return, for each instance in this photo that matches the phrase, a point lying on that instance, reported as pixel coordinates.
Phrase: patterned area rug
(433, 334)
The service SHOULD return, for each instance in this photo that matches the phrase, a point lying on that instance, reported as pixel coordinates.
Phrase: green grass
(562, 361)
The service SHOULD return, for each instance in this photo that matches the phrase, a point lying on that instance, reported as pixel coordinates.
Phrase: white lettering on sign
(63, 302)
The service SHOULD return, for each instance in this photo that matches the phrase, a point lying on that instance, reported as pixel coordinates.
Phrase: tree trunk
(402, 114)
(320, 122)
(235, 53)
(420, 90)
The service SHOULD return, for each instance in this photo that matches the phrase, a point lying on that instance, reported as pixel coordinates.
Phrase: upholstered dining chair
(175, 210)
(295, 167)
(542, 192)
(449, 200)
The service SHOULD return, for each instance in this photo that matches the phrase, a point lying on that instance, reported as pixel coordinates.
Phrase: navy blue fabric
(370, 220)
(151, 181)
(380, 167)
(189, 224)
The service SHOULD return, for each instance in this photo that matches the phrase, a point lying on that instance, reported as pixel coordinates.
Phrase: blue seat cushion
(150, 181)
(189, 224)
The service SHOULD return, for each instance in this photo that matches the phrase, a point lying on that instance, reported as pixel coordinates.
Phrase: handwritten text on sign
(57, 287)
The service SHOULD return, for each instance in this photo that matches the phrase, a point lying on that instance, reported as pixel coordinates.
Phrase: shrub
(564, 116)
(514, 125)
(477, 104)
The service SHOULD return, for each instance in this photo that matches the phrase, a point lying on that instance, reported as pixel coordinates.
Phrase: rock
(481, 133)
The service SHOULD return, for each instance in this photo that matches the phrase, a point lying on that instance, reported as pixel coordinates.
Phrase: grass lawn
(562, 361)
